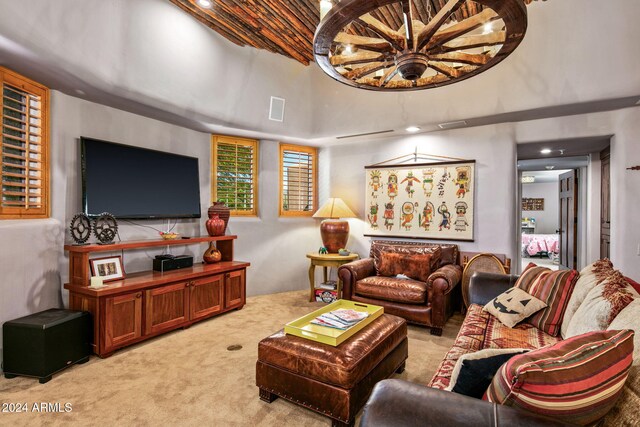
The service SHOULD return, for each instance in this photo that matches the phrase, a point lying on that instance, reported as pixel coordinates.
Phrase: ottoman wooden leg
(436, 331)
(401, 368)
(267, 396)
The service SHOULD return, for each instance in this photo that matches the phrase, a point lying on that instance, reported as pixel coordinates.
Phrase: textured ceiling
(287, 27)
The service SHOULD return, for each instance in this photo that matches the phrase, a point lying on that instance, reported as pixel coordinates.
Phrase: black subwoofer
(44, 343)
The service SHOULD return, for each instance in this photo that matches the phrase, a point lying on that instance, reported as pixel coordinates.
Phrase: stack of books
(340, 319)
(330, 284)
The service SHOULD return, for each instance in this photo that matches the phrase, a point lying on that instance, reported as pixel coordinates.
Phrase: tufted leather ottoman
(333, 381)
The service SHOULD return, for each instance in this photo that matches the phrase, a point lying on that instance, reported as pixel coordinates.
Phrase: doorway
(574, 201)
(540, 217)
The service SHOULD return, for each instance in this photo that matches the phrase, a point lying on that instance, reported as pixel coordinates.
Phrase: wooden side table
(324, 261)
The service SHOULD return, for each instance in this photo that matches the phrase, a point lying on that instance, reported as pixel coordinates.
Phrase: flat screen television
(137, 183)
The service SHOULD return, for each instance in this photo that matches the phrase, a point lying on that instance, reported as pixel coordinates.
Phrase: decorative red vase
(223, 212)
(212, 254)
(215, 226)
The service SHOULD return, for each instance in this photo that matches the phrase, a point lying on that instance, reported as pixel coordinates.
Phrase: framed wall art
(422, 201)
(533, 204)
(109, 268)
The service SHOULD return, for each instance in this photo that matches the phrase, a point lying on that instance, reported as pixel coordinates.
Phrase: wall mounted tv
(137, 183)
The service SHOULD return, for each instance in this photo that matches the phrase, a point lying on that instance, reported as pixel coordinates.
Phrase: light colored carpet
(189, 378)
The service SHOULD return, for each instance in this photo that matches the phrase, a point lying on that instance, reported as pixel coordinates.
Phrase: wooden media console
(149, 303)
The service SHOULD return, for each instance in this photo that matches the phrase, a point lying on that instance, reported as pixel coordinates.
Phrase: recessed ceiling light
(412, 129)
(549, 168)
(487, 28)
(545, 151)
(528, 179)
(207, 4)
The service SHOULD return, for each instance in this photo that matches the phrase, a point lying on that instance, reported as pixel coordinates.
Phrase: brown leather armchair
(427, 303)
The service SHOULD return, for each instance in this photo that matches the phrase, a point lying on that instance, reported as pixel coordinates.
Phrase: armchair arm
(483, 287)
(450, 276)
(400, 403)
(353, 271)
(439, 285)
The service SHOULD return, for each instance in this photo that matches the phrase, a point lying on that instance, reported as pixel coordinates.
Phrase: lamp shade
(334, 208)
(334, 233)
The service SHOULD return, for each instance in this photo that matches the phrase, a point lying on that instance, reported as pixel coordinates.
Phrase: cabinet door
(234, 289)
(206, 296)
(166, 307)
(123, 319)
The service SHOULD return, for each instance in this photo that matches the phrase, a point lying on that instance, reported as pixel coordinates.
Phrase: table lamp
(334, 232)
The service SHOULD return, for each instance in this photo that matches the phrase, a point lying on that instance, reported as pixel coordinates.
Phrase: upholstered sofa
(400, 403)
(424, 298)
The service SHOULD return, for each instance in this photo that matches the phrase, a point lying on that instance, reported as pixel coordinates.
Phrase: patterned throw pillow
(415, 266)
(474, 372)
(513, 306)
(601, 305)
(590, 276)
(577, 380)
(552, 287)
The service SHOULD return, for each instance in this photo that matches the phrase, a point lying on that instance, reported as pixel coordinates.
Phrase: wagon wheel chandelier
(356, 48)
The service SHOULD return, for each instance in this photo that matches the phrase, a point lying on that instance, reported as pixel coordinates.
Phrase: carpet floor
(189, 378)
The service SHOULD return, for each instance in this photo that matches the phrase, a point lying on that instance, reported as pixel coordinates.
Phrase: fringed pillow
(590, 276)
(601, 305)
(577, 380)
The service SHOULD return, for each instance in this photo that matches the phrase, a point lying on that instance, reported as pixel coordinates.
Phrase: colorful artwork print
(432, 201)
(375, 183)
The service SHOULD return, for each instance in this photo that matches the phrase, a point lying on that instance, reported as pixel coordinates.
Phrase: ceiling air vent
(364, 134)
(451, 125)
(276, 109)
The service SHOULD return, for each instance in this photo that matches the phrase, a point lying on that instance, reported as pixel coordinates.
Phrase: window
(24, 112)
(234, 173)
(298, 183)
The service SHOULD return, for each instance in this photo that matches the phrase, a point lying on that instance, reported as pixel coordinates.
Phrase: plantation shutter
(23, 147)
(298, 186)
(234, 174)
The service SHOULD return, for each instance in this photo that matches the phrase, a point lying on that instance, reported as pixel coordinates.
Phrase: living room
(147, 74)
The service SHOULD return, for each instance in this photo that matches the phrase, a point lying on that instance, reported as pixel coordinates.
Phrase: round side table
(324, 261)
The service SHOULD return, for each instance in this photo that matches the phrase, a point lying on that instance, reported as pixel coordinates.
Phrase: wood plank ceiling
(286, 27)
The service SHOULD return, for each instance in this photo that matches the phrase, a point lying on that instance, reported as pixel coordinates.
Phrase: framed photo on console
(109, 268)
(421, 200)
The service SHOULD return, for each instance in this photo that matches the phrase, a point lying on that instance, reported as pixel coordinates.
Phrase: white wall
(267, 241)
(546, 219)
(552, 66)
(491, 146)
(625, 197)
(150, 54)
(34, 266)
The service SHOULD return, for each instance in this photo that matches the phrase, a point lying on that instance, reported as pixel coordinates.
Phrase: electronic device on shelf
(137, 183)
(164, 263)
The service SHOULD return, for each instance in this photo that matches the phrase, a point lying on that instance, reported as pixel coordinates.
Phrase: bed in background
(539, 245)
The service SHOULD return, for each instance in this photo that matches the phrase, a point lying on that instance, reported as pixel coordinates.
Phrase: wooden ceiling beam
(365, 70)
(206, 20)
(444, 35)
(362, 42)
(360, 57)
(287, 27)
(384, 31)
(269, 26)
(469, 42)
(463, 58)
(441, 17)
